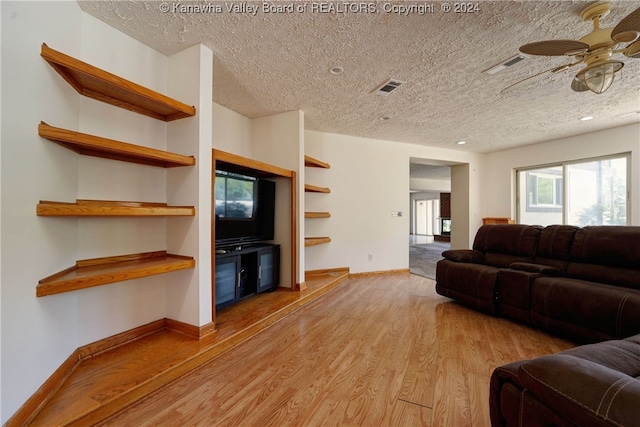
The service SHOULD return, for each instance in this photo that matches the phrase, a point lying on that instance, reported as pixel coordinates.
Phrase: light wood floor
(107, 381)
(375, 351)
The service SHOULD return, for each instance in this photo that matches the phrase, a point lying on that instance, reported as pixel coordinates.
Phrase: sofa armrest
(535, 268)
(464, 255)
(583, 391)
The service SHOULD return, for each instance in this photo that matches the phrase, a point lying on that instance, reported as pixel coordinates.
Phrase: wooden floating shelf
(101, 271)
(315, 163)
(103, 86)
(90, 145)
(317, 215)
(312, 241)
(315, 189)
(111, 208)
(243, 165)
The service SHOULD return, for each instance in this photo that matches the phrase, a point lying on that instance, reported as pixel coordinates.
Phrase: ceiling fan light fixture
(598, 77)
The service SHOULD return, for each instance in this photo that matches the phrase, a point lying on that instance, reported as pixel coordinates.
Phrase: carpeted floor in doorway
(423, 258)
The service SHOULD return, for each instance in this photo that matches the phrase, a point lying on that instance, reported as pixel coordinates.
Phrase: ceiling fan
(594, 50)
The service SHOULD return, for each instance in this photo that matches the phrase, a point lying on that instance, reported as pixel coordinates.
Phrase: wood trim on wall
(192, 331)
(379, 273)
(32, 407)
(327, 271)
(90, 350)
(294, 235)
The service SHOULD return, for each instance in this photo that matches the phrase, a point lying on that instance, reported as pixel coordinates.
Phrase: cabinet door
(226, 277)
(268, 268)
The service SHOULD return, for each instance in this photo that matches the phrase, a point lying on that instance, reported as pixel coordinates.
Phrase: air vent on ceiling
(506, 64)
(387, 87)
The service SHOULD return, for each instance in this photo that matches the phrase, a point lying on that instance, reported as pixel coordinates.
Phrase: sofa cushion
(584, 311)
(464, 255)
(512, 405)
(503, 244)
(535, 268)
(608, 255)
(596, 384)
(471, 284)
(555, 245)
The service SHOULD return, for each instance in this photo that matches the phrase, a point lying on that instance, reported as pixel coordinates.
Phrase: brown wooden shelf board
(315, 189)
(111, 208)
(103, 86)
(317, 215)
(243, 165)
(312, 241)
(90, 145)
(315, 163)
(101, 271)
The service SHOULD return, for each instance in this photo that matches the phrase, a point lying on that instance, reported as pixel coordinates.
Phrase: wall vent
(506, 64)
(387, 87)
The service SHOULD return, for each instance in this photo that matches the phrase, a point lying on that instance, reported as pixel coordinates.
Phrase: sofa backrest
(606, 254)
(554, 245)
(503, 244)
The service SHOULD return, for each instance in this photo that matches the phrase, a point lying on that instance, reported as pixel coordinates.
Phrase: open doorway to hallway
(430, 225)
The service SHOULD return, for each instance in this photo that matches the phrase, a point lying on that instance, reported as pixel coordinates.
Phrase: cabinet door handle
(260, 273)
(238, 281)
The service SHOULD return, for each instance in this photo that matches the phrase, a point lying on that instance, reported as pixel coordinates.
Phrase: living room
(369, 181)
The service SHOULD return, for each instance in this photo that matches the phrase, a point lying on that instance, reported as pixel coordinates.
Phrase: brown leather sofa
(580, 283)
(589, 386)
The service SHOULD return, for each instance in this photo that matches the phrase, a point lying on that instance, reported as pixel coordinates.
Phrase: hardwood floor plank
(410, 414)
(376, 351)
(479, 399)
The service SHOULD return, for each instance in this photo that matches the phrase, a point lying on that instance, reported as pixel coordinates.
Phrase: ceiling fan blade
(522, 83)
(555, 47)
(628, 29)
(531, 79)
(633, 50)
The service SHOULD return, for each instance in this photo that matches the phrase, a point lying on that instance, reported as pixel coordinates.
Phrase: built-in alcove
(286, 235)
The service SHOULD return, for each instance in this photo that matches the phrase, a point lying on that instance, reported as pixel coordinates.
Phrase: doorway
(428, 183)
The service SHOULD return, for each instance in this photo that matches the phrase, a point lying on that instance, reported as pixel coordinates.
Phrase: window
(588, 192)
(234, 195)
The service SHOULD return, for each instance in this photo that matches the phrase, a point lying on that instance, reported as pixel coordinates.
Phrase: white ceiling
(275, 62)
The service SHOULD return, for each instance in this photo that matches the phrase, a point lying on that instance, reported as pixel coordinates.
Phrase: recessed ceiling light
(385, 118)
(336, 70)
(461, 142)
(586, 118)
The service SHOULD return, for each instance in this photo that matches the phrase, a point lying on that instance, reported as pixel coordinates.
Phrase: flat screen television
(244, 209)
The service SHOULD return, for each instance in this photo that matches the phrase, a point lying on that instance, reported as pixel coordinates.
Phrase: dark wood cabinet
(246, 271)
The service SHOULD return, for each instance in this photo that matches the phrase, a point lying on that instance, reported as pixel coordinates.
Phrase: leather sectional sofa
(579, 283)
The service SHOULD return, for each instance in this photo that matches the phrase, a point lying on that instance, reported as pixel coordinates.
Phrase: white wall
(369, 179)
(38, 334)
(190, 80)
(136, 302)
(422, 184)
(232, 132)
(499, 186)
(279, 140)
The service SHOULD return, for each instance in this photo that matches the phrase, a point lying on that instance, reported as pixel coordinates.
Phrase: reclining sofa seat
(592, 385)
(552, 257)
(598, 295)
(470, 275)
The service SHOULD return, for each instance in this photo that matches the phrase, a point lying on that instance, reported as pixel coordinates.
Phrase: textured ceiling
(267, 63)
